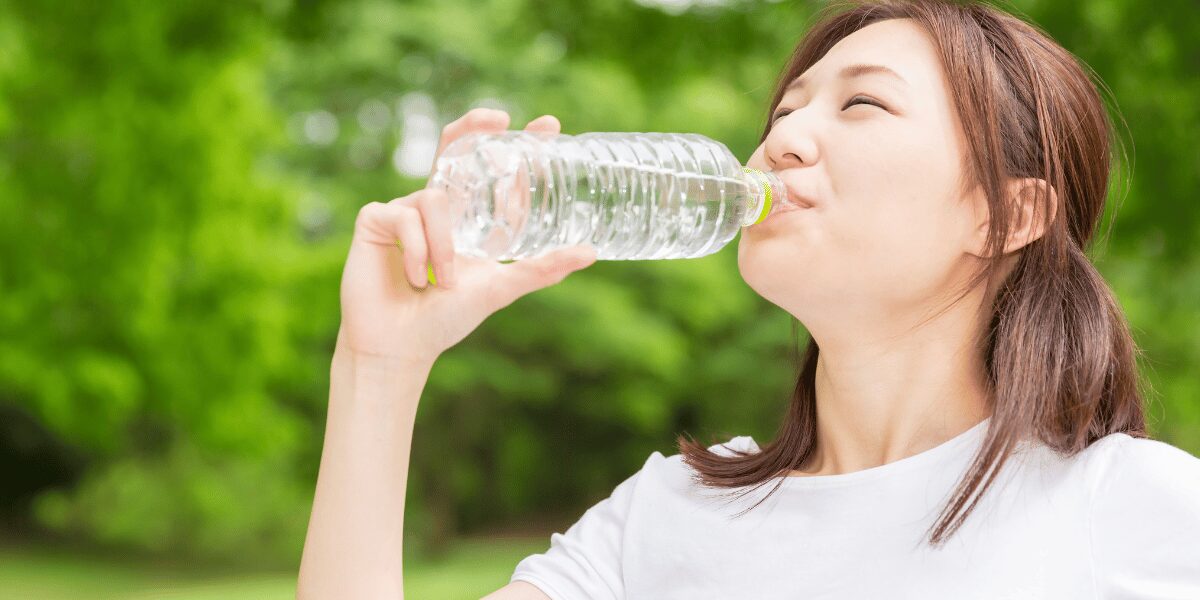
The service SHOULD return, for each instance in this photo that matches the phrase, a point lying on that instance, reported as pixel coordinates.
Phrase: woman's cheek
(923, 261)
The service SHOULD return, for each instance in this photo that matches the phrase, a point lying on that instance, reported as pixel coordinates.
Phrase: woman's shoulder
(1113, 455)
(1116, 466)
(673, 471)
(1120, 454)
(732, 447)
(1140, 478)
(1144, 517)
(736, 445)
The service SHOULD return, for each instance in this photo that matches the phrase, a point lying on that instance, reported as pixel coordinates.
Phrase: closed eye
(863, 100)
(859, 99)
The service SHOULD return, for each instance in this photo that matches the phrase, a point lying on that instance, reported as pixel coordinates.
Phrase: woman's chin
(780, 270)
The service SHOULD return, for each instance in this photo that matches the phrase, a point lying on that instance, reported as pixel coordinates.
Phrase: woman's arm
(353, 547)
(394, 326)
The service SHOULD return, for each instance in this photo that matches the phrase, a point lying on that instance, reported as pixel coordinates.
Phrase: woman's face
(888, 232)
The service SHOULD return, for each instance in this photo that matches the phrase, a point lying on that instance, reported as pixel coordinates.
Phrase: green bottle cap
(766, 188)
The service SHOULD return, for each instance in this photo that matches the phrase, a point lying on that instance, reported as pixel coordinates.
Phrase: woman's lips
(787, 207)
(795, 200)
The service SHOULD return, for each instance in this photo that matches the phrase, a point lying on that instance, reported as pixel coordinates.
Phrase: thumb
(532, 274)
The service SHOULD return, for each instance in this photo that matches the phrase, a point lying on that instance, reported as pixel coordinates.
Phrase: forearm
(354, 544)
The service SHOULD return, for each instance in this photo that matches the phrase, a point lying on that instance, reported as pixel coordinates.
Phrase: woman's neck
(885, 398)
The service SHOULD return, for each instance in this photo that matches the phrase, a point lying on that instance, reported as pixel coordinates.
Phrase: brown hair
(1061, 364)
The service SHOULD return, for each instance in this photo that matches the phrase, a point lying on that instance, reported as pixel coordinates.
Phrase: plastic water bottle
(631, 196)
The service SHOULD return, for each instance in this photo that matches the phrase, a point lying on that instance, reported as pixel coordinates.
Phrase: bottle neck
(767, 192)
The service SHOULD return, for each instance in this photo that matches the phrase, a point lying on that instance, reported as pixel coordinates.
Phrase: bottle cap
(771, 192)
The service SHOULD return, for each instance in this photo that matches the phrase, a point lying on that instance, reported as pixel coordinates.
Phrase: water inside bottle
(517, 201)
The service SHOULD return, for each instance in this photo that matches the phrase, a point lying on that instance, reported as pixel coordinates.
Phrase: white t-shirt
(1119, 520)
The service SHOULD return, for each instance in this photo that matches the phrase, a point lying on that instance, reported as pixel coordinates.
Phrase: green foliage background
(171, 241)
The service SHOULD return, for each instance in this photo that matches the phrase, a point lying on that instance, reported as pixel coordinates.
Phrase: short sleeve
(1145, 522)
(585, 562)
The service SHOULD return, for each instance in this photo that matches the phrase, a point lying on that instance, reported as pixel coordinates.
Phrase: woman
(967, 422)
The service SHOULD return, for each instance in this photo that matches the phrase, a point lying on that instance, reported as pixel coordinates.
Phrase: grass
(472, 569)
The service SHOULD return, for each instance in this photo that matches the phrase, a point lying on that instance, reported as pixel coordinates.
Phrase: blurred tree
(156, 291)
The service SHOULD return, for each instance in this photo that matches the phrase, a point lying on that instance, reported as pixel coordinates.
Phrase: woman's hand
(390, 309)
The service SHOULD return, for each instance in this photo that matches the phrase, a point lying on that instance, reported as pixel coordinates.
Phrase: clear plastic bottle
(632, 196)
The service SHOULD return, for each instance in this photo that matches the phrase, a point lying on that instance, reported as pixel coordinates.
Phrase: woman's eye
(855, 100)
(863, 100)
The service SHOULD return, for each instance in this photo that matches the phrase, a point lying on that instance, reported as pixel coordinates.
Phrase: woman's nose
(787, 146)
(788, 160)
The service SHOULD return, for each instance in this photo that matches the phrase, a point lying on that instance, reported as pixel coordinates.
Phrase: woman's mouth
(795, 200)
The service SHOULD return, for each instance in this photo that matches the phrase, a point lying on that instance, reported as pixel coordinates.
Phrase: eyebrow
(850, 72)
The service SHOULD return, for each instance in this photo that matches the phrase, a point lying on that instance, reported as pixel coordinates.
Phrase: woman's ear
(1033, 206)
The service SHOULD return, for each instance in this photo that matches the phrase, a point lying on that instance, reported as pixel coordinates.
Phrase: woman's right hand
(390, 310)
